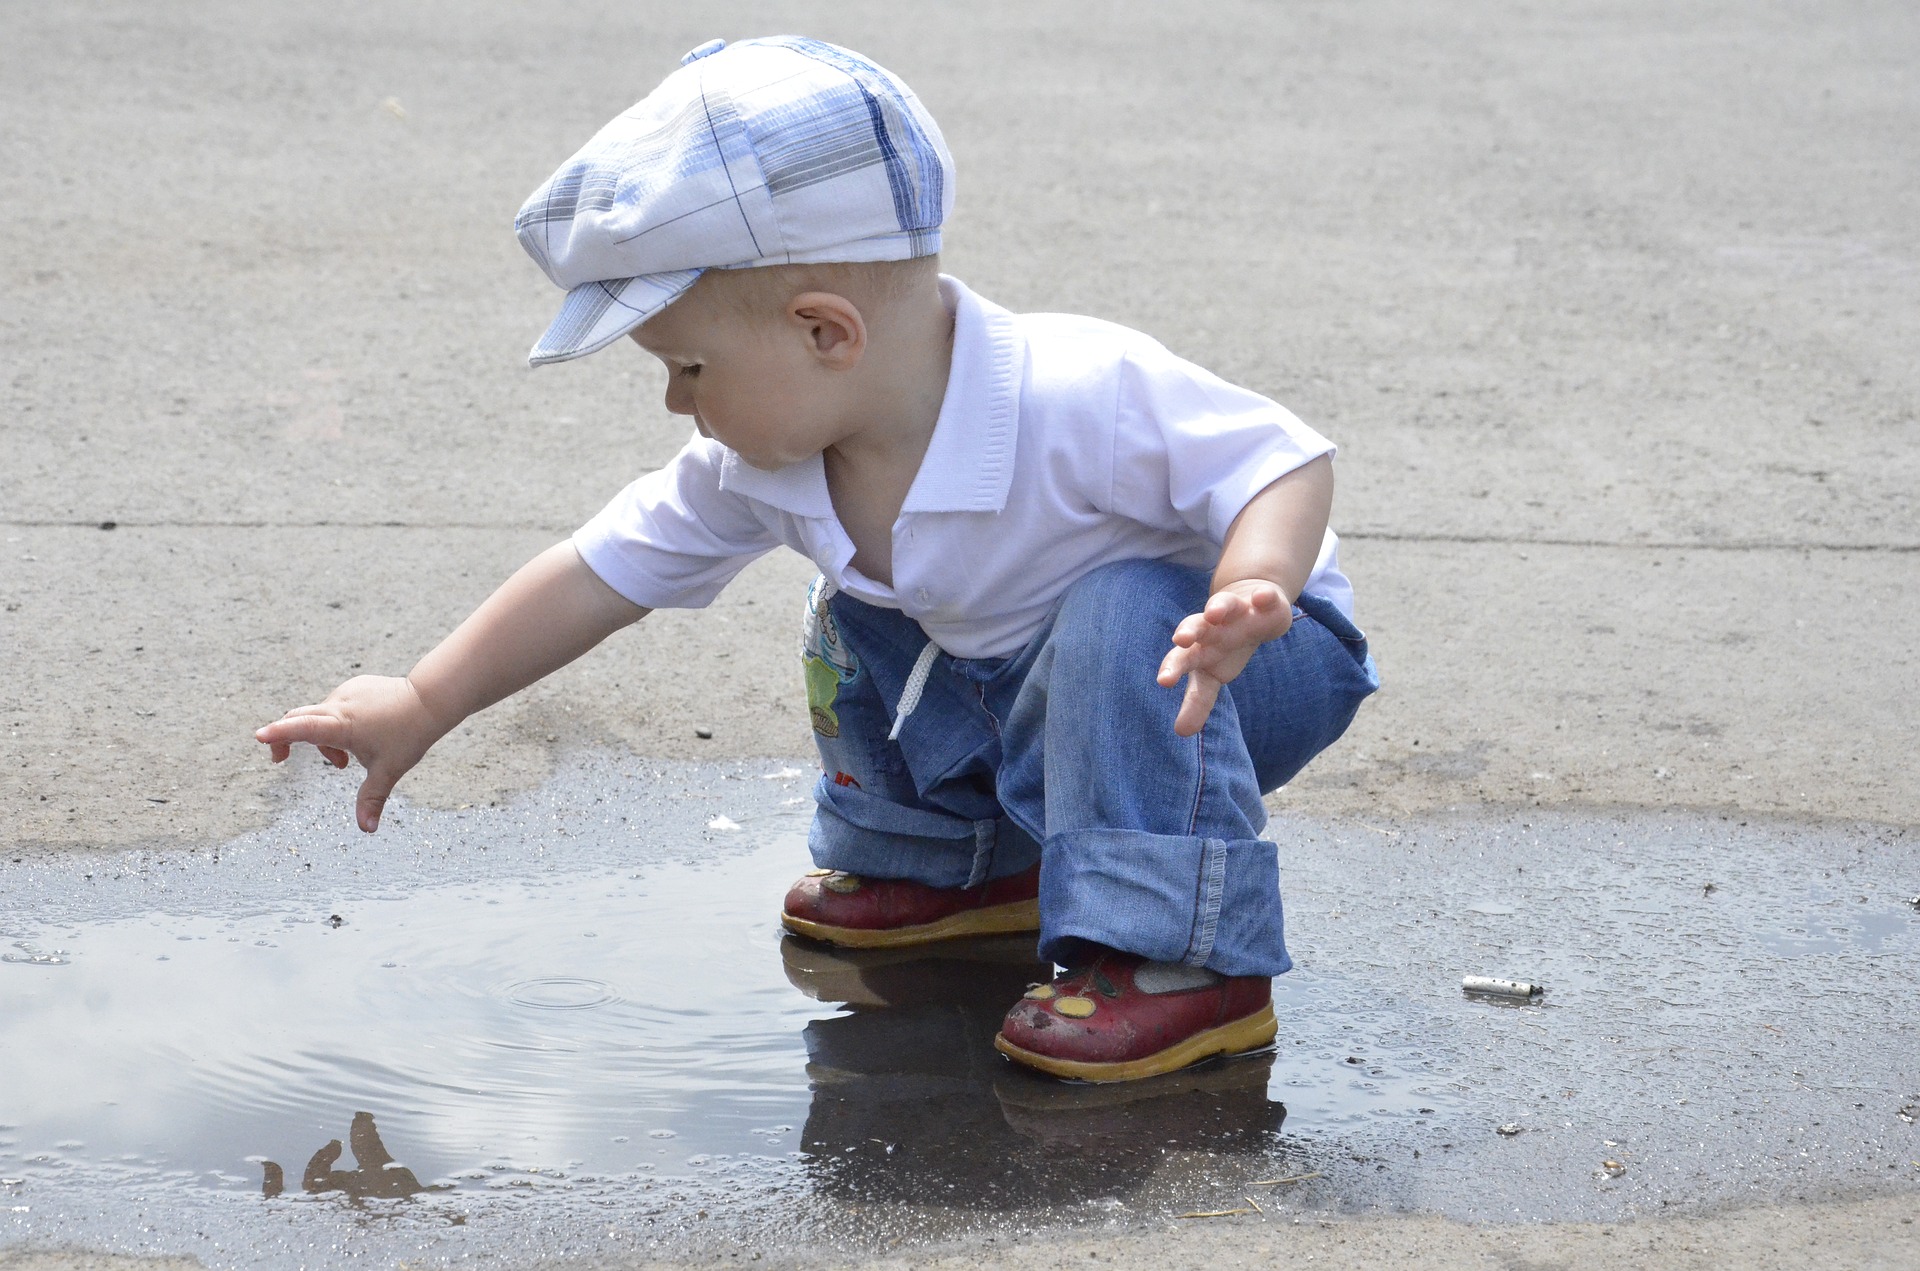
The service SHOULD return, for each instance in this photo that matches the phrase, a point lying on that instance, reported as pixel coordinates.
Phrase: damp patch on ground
(574, 1025)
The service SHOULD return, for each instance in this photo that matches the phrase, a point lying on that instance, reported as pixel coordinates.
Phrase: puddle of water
(634, 1025)
(577, 1021)
(1830, 921)
(508, 1032)
(539, 1021)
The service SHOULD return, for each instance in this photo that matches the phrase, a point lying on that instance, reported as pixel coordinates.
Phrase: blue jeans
(1065, 753)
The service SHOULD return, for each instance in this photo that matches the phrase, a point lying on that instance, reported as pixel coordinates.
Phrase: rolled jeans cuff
(864, 834)
(1169, 898)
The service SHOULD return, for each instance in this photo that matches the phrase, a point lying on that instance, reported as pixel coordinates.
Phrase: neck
(903, 381)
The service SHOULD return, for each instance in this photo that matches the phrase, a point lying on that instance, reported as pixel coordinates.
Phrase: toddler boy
(1017, 519)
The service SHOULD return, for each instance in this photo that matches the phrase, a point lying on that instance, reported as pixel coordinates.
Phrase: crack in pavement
(1359, 536)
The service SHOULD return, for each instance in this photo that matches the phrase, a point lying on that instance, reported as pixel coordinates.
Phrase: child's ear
(833, 327)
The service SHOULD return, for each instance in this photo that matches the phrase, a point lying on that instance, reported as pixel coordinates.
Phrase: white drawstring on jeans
(813, 636)
(916, 683)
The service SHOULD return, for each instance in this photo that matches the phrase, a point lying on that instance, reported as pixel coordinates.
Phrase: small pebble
(704, 734)
(1510, 1129)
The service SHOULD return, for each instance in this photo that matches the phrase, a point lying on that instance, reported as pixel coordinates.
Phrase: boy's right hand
(377, 719)
(552, 610)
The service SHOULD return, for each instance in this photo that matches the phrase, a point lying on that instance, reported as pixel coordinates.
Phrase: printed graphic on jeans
(827, 660)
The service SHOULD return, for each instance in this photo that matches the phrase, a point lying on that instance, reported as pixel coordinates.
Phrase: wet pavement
(573, 1025)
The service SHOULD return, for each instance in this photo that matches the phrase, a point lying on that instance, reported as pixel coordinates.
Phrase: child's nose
(679, 395)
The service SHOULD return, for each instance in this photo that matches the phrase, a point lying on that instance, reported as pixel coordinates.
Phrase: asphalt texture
(1609, 308)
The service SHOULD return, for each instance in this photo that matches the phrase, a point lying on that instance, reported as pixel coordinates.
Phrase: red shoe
(1096, 1024)
(887, 913)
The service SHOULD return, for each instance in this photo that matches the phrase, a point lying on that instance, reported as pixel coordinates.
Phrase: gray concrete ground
(1610, 307)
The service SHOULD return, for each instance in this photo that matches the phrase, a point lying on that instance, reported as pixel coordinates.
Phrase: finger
(1224, 607)
(1202, 689)
(334, 755)
(317, 730)
(1265, 600)
(278, 751)
(1183, 661)
(1190, 630)
(1204, 656)
(372, 802)
(1215, 621)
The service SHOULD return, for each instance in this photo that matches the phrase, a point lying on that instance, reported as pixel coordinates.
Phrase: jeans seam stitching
(1195, 935)
(1213, 875)
(1199, 906)
(1200, 779)
(985, 837)
(993, 721)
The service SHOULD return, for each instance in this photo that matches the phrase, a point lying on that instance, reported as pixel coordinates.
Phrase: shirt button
(924, 596)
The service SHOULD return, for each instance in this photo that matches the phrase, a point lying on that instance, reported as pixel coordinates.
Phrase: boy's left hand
(1213, 646)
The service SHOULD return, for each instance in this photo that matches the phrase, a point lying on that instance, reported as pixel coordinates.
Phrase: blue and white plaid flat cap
(773, 151)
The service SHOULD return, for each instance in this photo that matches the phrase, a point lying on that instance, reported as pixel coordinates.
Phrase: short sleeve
(673, 539)
(1192, 450)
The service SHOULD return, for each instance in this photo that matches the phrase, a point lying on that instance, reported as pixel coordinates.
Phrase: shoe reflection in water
(911, 1102)
(376, 1176)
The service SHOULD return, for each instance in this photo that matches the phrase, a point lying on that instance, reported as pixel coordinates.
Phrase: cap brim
(595, 314)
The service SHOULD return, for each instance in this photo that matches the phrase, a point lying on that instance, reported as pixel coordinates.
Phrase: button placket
(904, 570)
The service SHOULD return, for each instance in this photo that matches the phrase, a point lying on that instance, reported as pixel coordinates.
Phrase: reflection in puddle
(651, 1032)
(547, 1027)
(911, 1102)
(375, 1175)
(518, 1029)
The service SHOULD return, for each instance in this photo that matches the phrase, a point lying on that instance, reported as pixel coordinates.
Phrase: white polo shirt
(1063, 443)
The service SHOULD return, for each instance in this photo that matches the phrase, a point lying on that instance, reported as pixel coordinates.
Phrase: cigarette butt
(1500, 988)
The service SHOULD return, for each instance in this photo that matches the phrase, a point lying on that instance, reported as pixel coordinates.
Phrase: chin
(767, 463)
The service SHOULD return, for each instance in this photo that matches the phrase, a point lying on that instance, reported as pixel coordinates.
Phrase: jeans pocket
(1324, 612)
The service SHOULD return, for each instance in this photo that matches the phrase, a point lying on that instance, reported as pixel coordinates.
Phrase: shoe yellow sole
(998, 920)
(1250, 1032)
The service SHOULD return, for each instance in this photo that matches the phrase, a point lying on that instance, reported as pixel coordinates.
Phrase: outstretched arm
(1267, 558)
(548, 613)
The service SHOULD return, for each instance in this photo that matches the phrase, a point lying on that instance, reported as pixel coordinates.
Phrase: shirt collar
(799, 488)
(969, 462)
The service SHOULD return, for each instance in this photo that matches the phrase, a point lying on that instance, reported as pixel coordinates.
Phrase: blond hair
(872, 285)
